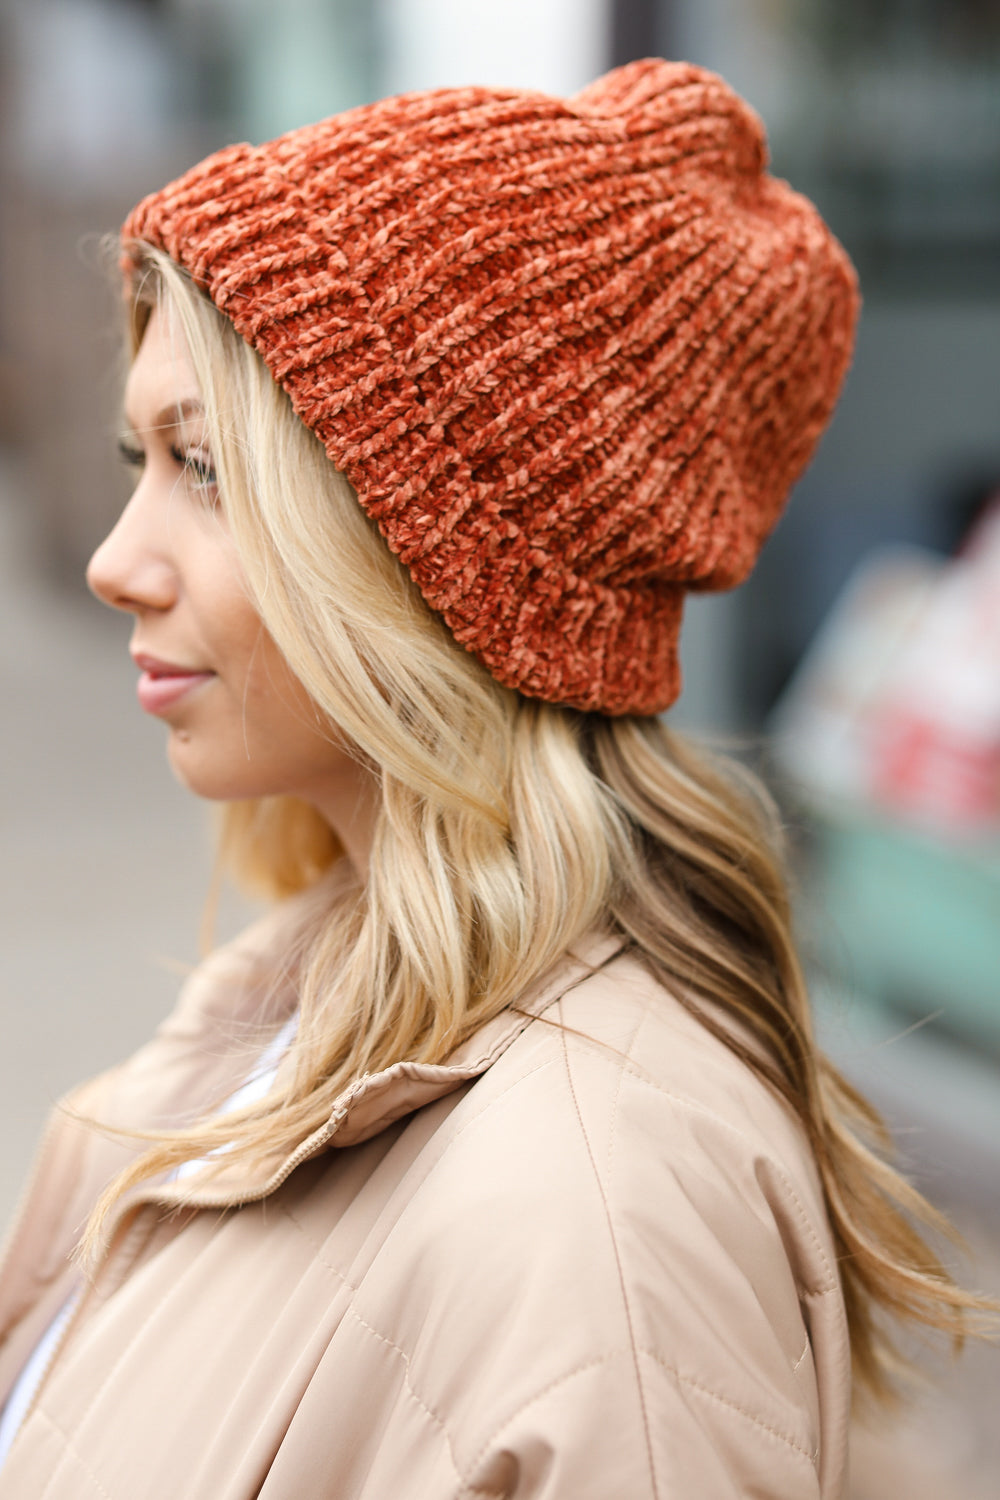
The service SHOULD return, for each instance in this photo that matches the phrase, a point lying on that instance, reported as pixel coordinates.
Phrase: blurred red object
(935, 741)
(896, 706)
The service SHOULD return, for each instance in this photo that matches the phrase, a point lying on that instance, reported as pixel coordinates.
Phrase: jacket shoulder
(637, 1079)
(628, 1221)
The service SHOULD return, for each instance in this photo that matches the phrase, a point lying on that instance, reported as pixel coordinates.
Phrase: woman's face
(241, 724)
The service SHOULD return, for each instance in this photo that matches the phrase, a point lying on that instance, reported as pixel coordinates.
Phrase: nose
(131, 570)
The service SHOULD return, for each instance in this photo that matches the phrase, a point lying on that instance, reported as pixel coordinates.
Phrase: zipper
(311, 1146)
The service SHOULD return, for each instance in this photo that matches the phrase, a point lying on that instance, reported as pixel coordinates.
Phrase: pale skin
(241, 725)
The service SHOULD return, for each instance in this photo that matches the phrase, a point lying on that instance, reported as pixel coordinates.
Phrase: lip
(164, 683)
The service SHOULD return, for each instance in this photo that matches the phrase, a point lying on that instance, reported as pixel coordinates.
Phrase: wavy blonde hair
(508, 827)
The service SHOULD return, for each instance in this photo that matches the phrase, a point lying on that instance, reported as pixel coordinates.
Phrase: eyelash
(203, 472)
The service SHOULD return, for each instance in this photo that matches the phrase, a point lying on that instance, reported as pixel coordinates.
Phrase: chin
(208, 776)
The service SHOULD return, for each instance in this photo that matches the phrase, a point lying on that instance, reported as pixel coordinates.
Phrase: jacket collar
(378, 1100)
(190, 1063)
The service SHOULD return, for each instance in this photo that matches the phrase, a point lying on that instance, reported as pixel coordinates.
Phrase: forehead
(161, 377)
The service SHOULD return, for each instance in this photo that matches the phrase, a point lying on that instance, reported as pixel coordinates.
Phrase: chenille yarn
(572, 354)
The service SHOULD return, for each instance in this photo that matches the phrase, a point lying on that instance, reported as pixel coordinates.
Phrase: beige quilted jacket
(586, 1260)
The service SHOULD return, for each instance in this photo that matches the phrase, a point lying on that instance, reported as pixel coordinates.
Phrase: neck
(351, 807)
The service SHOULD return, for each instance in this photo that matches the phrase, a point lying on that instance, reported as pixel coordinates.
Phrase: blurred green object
(913, 922)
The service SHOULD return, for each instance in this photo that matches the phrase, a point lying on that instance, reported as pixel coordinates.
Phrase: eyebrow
(170, 416)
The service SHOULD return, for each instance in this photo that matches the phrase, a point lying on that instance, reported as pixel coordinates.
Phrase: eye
(131, 457)
(200, 469)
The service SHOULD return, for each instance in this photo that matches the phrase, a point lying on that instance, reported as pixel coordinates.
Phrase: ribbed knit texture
(572, 354)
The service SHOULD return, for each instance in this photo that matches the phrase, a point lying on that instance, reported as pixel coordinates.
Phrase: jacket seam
(689, 1381)
(693, 1107)
(317, 1248)
(612, 1137)
(96, 1394)
(357, 1290)
(811, 1456)
(352, 1311)
(69, 1451)
(618, 1264)
(533, 1399)
(833, 1282)
(483, 1109)
(438, 1421)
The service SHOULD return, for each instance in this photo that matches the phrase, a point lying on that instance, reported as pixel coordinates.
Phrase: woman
(499, 1159)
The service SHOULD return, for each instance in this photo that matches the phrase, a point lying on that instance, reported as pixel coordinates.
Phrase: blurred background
(861, 665)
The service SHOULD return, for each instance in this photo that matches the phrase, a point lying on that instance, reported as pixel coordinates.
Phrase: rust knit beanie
(571, 353)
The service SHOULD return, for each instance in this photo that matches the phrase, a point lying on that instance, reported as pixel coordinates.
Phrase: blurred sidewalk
(106, 863)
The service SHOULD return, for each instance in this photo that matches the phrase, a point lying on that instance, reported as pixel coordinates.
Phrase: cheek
(242, 652)
(269, 717)
(279, 715)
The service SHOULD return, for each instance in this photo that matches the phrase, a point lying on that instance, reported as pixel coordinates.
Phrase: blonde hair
(508, 827)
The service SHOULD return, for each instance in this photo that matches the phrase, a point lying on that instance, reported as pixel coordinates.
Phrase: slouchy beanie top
(571, 353)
